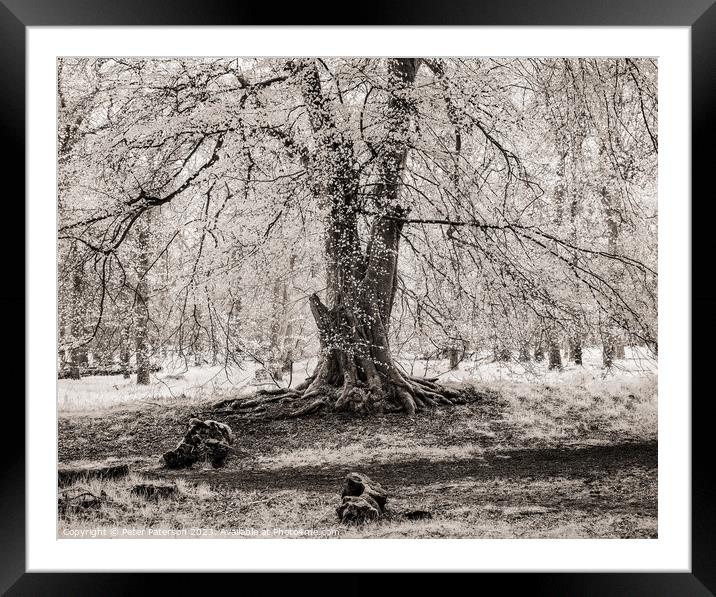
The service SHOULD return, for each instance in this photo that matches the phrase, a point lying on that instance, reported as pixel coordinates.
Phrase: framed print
(412, 293)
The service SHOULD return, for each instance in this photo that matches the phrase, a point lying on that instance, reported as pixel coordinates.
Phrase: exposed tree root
(398, 393)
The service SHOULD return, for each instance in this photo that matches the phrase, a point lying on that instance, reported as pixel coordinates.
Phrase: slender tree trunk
(577, 186)
(78, 354)
(453, 357)
(561, 189)
(539, 347)
(619, 350)
(276, 315)
(125, 351)
(524, 356)
(575, 350)
(608, 350)
(613, 346)
(142, 304)
(555, 355)
(288, 339)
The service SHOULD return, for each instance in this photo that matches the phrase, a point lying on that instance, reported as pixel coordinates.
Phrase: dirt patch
(590, 464)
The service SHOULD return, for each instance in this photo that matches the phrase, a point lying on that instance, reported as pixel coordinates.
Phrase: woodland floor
(530, 460)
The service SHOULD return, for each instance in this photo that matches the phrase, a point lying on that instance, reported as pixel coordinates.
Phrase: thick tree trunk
(356, 371)
(555, 357)
(357, 364)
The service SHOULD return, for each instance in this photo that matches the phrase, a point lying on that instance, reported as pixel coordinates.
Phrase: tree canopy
(219, 202)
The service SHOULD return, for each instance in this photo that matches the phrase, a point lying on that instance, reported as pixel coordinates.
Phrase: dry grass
(199, 511)
(486, 509)
(584, 412)
(380, 449)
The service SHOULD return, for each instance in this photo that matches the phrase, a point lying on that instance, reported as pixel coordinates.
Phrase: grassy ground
(573, 457)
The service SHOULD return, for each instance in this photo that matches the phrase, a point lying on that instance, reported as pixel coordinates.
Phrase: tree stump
(68, 476)
(205, 441)
(154, 491)
(362, 500)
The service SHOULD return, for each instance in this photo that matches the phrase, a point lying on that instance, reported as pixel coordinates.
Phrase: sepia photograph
(362, 298)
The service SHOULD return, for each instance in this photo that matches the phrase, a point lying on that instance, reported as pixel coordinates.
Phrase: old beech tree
(361, 280)
(454, 168)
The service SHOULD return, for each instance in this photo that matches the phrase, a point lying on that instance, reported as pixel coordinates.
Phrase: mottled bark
(356, 371)
(141, 305)
(619, 349)
(454, 357)
(78, 354)
(575, 350)
(524, 356)
(613, 347)
(288, 339)
(125, 353)
(554, 352)
(608, 351)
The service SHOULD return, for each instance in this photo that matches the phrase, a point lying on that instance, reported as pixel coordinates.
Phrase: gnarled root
(395, 392)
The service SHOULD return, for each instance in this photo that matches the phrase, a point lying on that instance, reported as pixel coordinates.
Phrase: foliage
(526, 193)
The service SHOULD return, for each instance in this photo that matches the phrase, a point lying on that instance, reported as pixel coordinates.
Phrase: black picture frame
(699, 15)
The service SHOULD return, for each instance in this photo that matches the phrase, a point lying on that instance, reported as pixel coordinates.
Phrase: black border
(700, 15)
